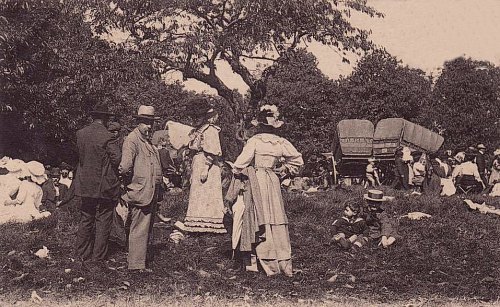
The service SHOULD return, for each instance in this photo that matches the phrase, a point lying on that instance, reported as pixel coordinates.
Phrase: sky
(421, 33)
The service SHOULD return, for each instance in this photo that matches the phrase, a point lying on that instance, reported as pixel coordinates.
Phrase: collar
(140, 136)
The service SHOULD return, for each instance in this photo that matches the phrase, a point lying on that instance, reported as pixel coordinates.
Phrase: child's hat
(375, 195)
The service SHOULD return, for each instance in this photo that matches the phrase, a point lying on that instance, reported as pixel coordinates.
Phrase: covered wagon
(392, 133)
(353, 147)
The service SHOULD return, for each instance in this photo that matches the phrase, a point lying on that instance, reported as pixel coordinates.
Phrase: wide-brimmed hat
(200, 108)
(375, 195)
(146, 112)
(17, 167)
(268, 116)
(481, 146)
(101, 109)
(4, 161)
(36, 171)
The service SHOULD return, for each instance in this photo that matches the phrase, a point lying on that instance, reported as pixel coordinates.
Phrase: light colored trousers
(141, 228)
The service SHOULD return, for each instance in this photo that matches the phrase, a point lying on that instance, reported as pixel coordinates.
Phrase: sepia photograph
(265, 153)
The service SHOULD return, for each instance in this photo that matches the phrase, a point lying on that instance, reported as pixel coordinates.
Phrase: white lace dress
(29, 199)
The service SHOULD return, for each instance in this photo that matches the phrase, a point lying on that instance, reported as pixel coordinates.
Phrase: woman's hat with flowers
(268, 116)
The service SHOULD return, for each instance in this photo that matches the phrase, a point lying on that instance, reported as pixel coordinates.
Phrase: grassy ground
(451, 258)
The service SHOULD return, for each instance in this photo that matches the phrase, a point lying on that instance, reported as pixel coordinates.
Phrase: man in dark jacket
(97, 184)
(401, 172)
(481, 163)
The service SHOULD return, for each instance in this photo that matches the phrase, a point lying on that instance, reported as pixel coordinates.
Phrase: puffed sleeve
(210, 141)
(293, 158)
(246, 156)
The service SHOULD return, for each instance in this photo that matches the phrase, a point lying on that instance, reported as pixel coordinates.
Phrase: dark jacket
(481, 163)
(49, 192)
(401, 168)
(348, 227)
(381, 224)
(95, 176)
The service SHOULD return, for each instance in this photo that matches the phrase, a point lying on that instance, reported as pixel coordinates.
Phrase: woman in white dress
(10, 183)
(269, 153)
(206, 207)
(25, 207)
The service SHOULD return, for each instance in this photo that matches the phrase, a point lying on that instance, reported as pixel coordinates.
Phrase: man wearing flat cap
(97, 185)
(141, 164)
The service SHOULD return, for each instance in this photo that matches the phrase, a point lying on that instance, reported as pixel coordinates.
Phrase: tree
(380, 87)
(465, 104)
(53, 72)
(308, 102)
(193, 36)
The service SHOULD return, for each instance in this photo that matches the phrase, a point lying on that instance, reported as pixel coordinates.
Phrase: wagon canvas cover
(355, 137)
(391, 133)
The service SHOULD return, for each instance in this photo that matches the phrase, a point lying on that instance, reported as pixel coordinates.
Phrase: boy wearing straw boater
(382, 228)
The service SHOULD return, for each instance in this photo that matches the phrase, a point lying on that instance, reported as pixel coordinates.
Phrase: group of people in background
(15, 174)
(467, 171)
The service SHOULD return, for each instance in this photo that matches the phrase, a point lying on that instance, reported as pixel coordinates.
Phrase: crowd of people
(446, 174)
(132, 174)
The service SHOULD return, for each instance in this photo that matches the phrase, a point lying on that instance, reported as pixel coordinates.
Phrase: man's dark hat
(101, 109)
(65, 165)
(54, 172)
(200, 108)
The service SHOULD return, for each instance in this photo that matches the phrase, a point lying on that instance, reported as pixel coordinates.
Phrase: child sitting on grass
(382, 228)
(349, 230)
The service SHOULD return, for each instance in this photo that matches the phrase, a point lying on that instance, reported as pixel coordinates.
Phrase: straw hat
(371, 160)
(375, 195)
(36, 171)
(146, 112)
(481, 146)
(17, 167)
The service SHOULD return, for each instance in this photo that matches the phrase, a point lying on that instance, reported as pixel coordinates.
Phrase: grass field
(450, 258)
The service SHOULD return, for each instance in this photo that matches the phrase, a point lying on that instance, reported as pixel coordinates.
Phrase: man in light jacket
(141, 164)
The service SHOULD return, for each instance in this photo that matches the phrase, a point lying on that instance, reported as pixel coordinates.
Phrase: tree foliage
(55, 70)
(193, 36)
(466, 103)
(308, 102)
(380, 87)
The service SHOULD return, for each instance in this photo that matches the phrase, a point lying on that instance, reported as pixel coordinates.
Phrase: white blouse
(266, 150)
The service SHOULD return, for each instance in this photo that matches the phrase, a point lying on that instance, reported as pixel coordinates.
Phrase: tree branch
(257, 57)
